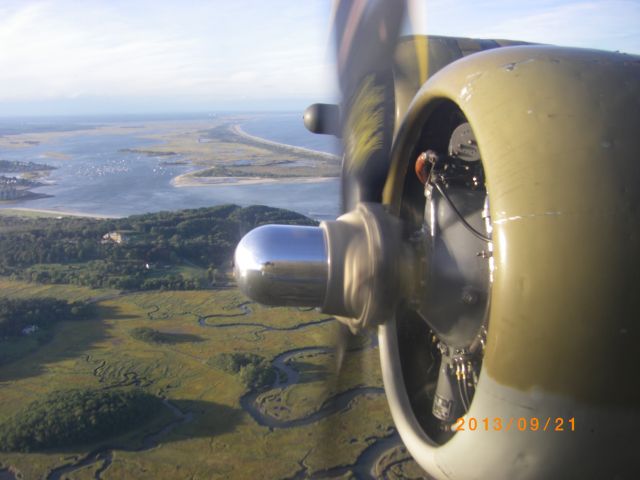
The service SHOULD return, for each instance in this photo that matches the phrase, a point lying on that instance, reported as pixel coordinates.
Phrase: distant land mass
(16, 166)
(116, 167)
(16, 188)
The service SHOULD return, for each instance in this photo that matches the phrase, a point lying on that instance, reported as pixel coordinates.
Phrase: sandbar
(51, 213)
(188, 180)
(237, 129)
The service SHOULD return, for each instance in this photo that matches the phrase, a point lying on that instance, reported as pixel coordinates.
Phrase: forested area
(156, 337)
(25, 324)
(149, 253)
(43, 313)
(253, 370)
(68, 418)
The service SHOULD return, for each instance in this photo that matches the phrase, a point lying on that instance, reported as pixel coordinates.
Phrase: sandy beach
(35, 212)
(192, 179)
(237, 129)
(189, 180)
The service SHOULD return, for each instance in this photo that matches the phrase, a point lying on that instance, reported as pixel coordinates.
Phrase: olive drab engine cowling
(533, 249)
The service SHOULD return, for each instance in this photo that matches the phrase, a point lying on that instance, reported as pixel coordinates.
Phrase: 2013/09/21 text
(522, 424)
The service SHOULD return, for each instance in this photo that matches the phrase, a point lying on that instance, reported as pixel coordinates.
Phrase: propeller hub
(353, 267)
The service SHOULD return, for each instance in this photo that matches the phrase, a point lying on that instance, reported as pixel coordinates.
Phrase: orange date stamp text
(522, 424)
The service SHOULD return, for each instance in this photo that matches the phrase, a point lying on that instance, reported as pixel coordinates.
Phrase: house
(28, 330)
(115, 237)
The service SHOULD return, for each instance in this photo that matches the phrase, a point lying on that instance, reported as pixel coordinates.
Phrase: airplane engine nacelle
(502, 267)
(557, 393)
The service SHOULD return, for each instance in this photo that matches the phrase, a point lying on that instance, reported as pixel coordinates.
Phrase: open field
(315, 423)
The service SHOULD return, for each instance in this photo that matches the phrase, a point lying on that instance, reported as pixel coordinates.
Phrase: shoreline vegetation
(22, 177)
(16, 166)
(17, 195)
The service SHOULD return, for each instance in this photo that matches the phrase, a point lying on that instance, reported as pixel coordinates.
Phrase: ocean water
(99, 178)
(288, 128)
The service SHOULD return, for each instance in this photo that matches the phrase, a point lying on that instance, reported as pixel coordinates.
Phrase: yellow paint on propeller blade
(422, 55)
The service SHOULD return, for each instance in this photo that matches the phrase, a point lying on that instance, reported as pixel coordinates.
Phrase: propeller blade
(365, 34)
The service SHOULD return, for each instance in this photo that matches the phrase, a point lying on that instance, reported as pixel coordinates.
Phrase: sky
(141, 56)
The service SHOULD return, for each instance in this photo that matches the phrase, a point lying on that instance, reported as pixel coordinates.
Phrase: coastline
(237, 129)
(233, 156)
(189, 180)
(43, 212)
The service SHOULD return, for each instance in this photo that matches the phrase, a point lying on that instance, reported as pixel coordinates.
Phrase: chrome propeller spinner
(356, 267)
